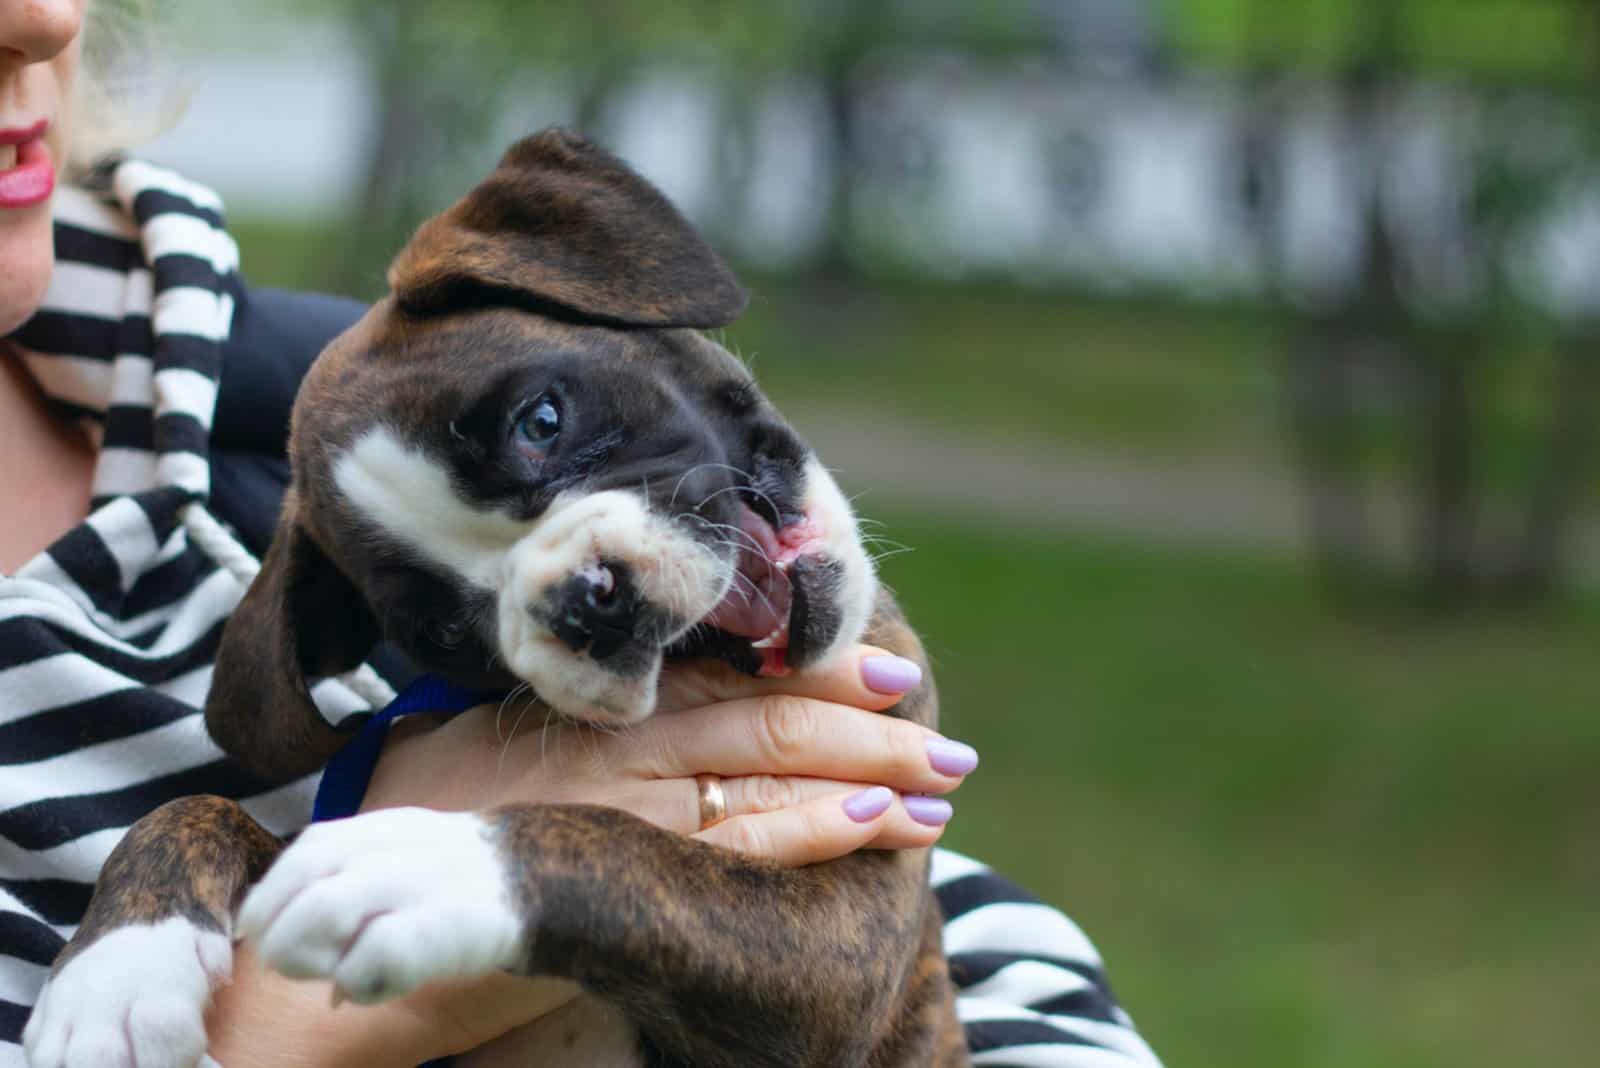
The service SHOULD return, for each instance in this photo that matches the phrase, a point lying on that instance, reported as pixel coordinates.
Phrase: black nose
(597, 608)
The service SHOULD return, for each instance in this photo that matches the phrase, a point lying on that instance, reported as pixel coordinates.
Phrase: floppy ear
(564, 226)
(300, 619)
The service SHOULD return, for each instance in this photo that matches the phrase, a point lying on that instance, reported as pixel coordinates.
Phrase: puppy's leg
(717, 958)
(131, 986)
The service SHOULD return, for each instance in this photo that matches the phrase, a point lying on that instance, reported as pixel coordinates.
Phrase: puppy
(525, 466)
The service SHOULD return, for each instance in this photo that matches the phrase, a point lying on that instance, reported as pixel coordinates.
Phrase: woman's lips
(27, 175)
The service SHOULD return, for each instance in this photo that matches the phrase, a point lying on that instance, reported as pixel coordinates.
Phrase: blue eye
(541, 423)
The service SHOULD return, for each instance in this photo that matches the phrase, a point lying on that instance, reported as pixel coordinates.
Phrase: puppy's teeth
(769, 641)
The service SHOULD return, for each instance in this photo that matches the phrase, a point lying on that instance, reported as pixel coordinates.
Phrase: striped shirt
(107, 638)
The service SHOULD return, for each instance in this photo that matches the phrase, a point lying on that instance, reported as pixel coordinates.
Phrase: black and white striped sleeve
(1031, 987)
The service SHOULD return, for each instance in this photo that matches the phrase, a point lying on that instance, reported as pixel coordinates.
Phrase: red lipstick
(33, 178)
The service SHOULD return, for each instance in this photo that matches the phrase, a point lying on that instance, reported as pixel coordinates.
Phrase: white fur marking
(826, 504)
(135, 998)
(672, 570)
(384, 902)
(408, 493)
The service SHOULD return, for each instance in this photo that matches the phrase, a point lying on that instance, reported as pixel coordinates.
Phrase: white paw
(384, 902)
(135, 998)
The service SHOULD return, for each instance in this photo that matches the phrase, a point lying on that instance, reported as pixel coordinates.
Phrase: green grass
(1159, 378)
(1299, 841)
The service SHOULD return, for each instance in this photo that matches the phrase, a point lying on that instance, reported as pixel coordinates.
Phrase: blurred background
(1220, 377)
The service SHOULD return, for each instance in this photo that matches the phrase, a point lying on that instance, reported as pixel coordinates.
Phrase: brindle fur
(840, 964)
(717, 958)
(193, 857)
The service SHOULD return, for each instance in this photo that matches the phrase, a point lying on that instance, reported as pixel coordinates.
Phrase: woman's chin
(27, 256)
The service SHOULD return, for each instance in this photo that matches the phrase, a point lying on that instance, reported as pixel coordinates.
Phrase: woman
(143, 391)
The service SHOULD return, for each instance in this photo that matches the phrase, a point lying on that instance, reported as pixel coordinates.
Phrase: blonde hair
(129, 88)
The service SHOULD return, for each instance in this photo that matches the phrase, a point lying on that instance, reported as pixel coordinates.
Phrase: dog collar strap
(344, 780)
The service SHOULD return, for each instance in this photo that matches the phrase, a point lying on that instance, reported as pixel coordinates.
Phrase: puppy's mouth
(604, 588)
(763, 625)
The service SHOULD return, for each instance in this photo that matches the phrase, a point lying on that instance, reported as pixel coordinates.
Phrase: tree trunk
(1569, 437)
(1445, 498)
(1322, 426)
(401, 141)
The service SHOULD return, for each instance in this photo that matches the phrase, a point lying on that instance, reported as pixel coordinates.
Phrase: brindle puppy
(524, 465)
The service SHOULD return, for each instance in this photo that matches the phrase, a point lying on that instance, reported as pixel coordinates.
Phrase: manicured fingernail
(929, 811)
(869, 804)
(890, 674)
(951, 758)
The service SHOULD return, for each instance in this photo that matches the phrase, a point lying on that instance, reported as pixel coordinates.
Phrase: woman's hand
(803, 761)
(809, 768)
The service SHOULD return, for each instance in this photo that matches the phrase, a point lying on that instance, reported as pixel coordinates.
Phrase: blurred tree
(1430, 297)
(835, 43)
(445, 76)
(1569, 435)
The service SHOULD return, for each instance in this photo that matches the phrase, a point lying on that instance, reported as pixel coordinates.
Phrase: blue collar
(344, 780)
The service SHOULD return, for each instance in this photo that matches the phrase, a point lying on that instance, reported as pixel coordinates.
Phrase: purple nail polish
(951, 758)
(929, 811)
(890, 674)
(869, 804)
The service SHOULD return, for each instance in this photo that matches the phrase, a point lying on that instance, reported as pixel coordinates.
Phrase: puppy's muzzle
(592, 596)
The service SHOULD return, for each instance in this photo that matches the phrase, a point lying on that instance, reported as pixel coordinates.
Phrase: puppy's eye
(541, 423)
(446, 633)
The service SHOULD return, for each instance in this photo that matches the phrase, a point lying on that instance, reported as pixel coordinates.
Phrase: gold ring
(713, 802)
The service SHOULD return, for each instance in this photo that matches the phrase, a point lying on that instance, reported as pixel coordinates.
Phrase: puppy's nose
(596, 608)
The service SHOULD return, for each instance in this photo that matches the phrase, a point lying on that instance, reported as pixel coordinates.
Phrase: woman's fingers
(782, 734)
(825, 828)
(867, 677)
(675, 803)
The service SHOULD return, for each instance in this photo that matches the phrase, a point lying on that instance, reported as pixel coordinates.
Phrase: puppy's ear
(301, 619)
(564, 225)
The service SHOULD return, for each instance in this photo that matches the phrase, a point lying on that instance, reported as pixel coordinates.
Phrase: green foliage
(1527, 40)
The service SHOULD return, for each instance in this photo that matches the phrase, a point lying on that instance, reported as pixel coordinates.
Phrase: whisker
(516, 692)
(745, 489)
(749, 539)
(701, 466)
(500, 761)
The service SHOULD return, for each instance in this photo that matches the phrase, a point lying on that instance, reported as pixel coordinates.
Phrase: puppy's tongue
(759, 601)
(757, 607)
(760, 604)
